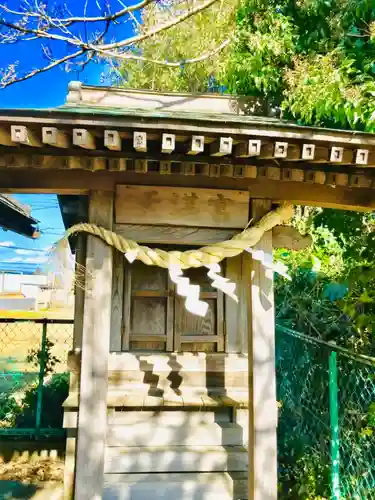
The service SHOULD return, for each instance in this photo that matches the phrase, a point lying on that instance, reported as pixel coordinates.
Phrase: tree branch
(44, 34)
(158, 29)
(124, 43)
(71, 20)
(172, 64)
(45, 28)
(44, 69)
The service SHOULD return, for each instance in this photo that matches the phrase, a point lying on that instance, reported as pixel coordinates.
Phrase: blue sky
(49, 89)
(18, 253)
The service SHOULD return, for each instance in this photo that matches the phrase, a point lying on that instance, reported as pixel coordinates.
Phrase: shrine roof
(209, 140)
(16, 217)
(246, 123)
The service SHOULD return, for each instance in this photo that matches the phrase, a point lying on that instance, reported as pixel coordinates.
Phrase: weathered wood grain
(148, 309)
(92, 424)
(5, 136)
(151, 433)
(84, 138)
(168, 143)
(69, 463)
(179, 235)
(175, 459)
(126, 309)
(173, 486)
(55, 137)
(181, 206)
(20, 179)
(79, 294)
(262, 377)
(238, 270)
(117, 301)
(140, 141)
(24, 135)
(223, 146)
(196, 145)
(112, 140)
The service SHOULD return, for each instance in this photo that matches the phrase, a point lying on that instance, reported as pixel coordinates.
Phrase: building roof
(16, 217)
(85, 101)
(102, 137)
(252, 125)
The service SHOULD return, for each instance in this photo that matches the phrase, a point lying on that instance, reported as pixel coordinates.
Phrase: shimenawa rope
(204, 256)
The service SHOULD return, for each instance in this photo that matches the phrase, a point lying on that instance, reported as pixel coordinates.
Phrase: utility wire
(23, 248)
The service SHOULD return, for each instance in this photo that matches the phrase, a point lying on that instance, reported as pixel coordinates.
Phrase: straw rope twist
(204, 256)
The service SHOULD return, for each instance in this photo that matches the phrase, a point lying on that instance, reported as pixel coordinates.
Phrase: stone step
(193, 399)
(173, 362)
(121, 460)
(176, 486)
(173, 417)
(179, 379)
(149, 433)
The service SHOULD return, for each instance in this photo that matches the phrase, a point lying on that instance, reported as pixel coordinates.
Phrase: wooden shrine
(164, 403)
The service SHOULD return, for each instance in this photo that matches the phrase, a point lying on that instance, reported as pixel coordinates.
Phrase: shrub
(55, 391)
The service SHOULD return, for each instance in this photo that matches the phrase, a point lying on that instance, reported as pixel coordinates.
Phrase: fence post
(334, 423)
(42, 366)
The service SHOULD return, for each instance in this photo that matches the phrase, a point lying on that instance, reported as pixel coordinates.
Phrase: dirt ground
(38, 480)
(39, 470)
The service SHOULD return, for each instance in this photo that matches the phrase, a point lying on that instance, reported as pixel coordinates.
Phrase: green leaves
(36, 355)
(371, 415)
(365, 298)
(315, 57)
(199, 35)
(265, 43)
(332, 294)
(334, 291)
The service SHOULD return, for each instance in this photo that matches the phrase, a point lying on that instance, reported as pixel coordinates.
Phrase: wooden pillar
(92, 417)
(74, 362)
(79, 293)
(262, 376)
(238, 270)
(79, 299)
(117, 301)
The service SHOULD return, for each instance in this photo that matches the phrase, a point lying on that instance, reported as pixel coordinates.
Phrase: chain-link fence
(33, 376)
(326, 396)
(326, 434)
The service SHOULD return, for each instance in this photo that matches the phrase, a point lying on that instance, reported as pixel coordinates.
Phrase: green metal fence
(326, 434)
(33, 376)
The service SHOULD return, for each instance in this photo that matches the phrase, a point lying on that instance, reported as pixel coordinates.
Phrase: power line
(53, 234)
(23, 248)
(43, 208)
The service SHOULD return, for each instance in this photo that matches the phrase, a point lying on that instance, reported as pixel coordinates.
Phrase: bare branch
(83, 64)
(124, 43)
(44, 34)
(158, 29)
(172, 64)
(70, 20)
(36, 23)
(44, 69)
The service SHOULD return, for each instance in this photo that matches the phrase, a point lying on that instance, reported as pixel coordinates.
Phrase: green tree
(72, 36)
(315, 59)
(332, 293)
(190, 58)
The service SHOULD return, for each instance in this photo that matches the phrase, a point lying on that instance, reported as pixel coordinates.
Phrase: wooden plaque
(182, 206)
